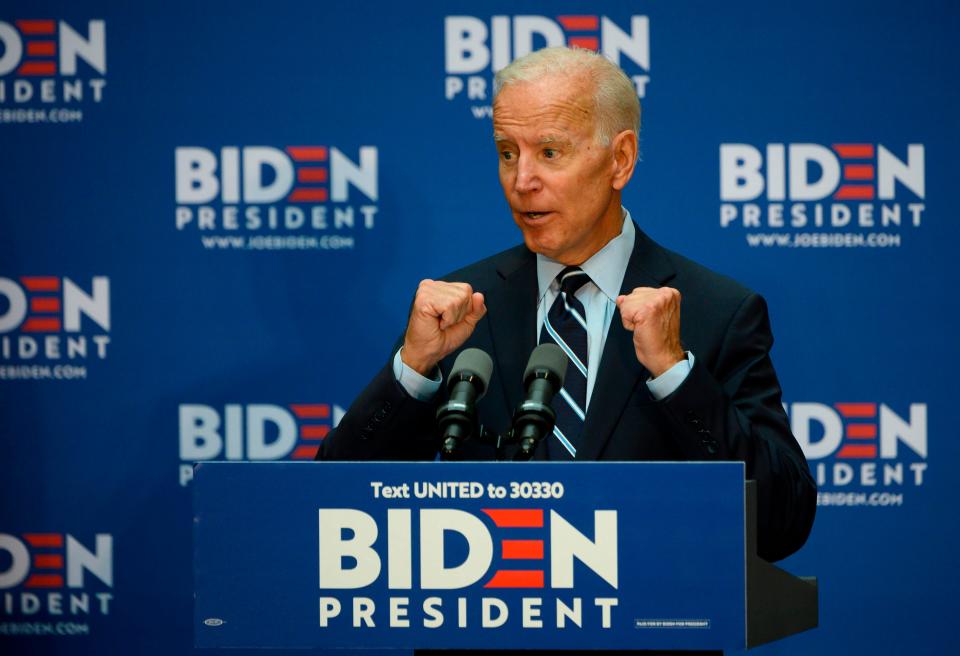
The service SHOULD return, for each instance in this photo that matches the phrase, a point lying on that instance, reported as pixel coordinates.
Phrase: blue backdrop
(214, 216)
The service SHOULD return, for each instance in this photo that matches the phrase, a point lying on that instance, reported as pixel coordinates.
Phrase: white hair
(617, 107)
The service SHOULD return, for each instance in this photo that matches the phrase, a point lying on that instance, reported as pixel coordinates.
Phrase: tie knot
(571, 279)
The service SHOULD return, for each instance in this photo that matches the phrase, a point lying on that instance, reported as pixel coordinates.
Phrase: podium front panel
(469, 555)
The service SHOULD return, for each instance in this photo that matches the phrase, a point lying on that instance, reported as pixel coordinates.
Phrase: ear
(625, 150)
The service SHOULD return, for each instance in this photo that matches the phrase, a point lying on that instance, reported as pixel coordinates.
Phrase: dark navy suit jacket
(728, 408)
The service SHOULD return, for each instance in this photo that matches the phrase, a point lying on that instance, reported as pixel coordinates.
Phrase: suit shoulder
(695, 280)
(715, 308)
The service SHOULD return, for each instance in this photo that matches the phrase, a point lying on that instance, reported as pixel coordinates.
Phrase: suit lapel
(512, 308)
(620, 373)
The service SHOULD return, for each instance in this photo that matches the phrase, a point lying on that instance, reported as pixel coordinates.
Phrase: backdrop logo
(475, 49)
(353, 556)
(810, 195)
(50, 326)
(267, 198)
(255, 431)
(864, 449)
(50, 69)
(47, 578)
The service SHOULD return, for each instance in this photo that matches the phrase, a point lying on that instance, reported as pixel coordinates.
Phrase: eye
(506, 155)
(550, 153)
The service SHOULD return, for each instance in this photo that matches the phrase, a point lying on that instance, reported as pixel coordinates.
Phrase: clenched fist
(653, 315)
(443, 317)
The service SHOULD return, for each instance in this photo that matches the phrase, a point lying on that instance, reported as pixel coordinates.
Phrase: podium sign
(461, 555)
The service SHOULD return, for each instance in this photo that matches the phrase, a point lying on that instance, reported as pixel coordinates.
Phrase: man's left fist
(654, 317)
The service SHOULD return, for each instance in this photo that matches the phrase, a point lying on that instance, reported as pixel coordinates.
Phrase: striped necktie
(566, 326)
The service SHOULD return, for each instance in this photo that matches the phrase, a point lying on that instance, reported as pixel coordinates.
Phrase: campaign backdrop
(214, 216)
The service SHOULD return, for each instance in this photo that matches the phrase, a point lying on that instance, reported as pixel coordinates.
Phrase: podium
(455, 555)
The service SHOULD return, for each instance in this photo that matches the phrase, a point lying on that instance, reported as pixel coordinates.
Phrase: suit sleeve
(383, 423)
(732, 411)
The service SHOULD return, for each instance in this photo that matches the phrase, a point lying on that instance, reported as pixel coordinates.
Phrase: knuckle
(425, 290)
(460, 288)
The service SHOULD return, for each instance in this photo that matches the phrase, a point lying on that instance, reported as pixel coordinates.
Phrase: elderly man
(643, 384)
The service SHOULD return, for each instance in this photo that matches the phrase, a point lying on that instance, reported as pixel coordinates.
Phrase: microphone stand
(481, 434)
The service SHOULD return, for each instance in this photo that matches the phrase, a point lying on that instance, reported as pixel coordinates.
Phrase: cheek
(592, 175)
(506, 178)
(593, 186)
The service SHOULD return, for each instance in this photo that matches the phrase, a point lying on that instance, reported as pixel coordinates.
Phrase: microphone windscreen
(547, 357)
(473, 362)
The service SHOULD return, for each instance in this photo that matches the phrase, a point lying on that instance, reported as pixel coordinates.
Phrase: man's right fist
(443, 317)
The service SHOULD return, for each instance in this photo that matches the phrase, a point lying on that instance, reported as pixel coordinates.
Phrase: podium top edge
(498, 463)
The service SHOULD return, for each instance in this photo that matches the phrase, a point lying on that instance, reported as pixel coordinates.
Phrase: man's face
(557, 178)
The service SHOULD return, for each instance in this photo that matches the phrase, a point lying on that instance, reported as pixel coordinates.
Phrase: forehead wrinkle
(565, 116)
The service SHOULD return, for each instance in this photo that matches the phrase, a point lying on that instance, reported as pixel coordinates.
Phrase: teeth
(535, 215)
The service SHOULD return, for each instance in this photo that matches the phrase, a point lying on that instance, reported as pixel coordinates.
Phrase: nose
(528, 177)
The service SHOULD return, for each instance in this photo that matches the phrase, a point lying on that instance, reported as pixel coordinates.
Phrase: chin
(537, 245)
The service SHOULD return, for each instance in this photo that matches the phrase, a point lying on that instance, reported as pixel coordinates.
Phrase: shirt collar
(606, 267)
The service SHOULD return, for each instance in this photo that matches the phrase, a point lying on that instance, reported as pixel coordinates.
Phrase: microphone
(468, 383)
(534, 418)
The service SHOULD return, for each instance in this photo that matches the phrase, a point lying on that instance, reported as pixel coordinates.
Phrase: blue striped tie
(566, 326)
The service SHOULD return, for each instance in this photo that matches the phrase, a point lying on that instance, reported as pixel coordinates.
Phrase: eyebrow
(547, 139)
(553, 139)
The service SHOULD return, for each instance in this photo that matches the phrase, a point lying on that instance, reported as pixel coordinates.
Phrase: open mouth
(535, 215)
